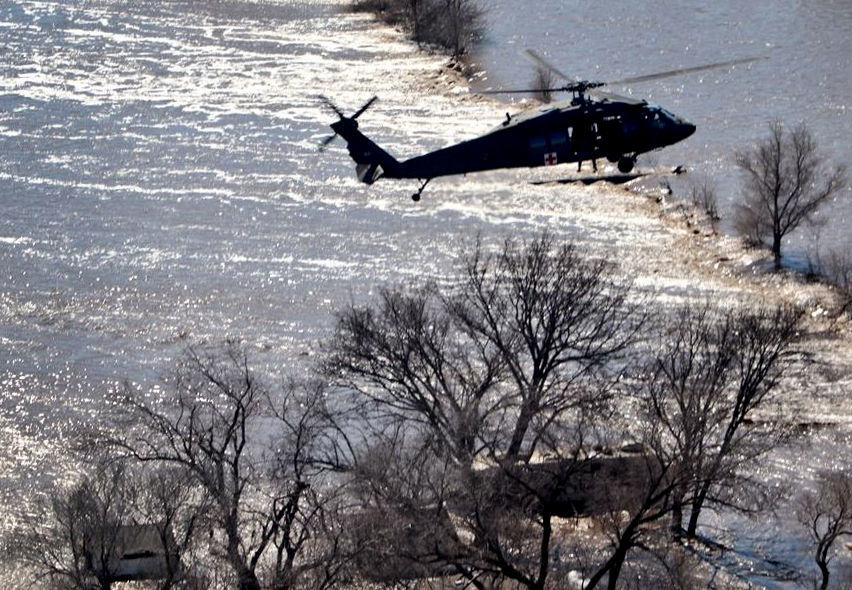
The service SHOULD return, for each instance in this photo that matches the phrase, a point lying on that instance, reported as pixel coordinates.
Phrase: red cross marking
(550, 159)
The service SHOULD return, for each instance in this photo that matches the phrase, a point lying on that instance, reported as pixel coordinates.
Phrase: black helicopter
(574, 130)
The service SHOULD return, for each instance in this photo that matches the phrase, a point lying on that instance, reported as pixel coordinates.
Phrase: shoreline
(265, 241)
(698, 265)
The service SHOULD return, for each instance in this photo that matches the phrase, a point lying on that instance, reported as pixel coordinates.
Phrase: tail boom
(371, 161)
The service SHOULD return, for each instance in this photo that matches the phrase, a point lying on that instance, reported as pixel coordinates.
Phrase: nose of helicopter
(685, 129)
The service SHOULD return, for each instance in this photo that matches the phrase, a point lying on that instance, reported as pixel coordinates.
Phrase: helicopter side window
(558, 138)
(538, 142)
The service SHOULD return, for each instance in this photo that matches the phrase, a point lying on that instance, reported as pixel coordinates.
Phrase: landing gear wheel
(416, 196)
(613, 158)
(625, 165)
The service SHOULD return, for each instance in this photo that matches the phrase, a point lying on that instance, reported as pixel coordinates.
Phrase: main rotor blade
(682, 71)
(527, 91)
(327, 102)
(324, 143)
(543, 63)
(366, 106)
(611, 96)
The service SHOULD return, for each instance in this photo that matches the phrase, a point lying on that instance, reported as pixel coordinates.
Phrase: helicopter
(591, 124)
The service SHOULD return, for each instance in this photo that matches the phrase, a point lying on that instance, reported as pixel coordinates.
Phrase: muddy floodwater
(160, 185)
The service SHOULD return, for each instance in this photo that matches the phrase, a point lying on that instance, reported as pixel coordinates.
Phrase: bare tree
(208, 425)
(453, 24)
(204, 428)
(308, 542)
(74, 542)
(543, 82)
(764, 342)
(787, 180)
(515, 359)
(826, 514)
(412, 360)
(450, 24)
(169, 501)
(529, 334)
(709, 377)
(698, 393)
(633, 513)
(561, 325)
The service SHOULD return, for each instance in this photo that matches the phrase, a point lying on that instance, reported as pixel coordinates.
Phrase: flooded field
(160, 185)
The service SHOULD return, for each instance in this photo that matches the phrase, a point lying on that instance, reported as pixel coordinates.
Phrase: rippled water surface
(160, 183)
(807, 78)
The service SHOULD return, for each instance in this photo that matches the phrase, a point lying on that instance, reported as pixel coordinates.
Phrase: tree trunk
(823, 567)
(520, 432)
(776, 250)
(695, 510)
(247, 580)
(677, 518)
(694, 513)
(615, 570)
(615, 562)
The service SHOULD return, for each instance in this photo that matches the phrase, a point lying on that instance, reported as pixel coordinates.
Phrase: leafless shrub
(451, 24)
(835, 266)
(542, 83)
(702, 196)
(826, 515)
(787, 180)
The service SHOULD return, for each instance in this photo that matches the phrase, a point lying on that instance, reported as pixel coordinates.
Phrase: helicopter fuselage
(555, 134)
(568, 131)
(576, 130)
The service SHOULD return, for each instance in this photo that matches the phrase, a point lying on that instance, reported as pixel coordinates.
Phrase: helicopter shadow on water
(589, 180)
(617, 179)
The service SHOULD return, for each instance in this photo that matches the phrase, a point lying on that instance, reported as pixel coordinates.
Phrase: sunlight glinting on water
(160, 185)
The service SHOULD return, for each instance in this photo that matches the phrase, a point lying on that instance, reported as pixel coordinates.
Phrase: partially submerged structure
(139, 552)
(409, 541)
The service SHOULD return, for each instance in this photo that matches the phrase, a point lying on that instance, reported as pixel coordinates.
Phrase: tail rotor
(343, 118)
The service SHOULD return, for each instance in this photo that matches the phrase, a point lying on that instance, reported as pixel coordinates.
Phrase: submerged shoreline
(721, 268)
(179, 197)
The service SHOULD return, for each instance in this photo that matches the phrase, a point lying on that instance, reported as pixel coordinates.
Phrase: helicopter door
(538, 150)
(611, 137)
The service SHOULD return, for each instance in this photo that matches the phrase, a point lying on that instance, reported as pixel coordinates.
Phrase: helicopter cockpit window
(668, 115)
(558, 138)
(538, 142)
